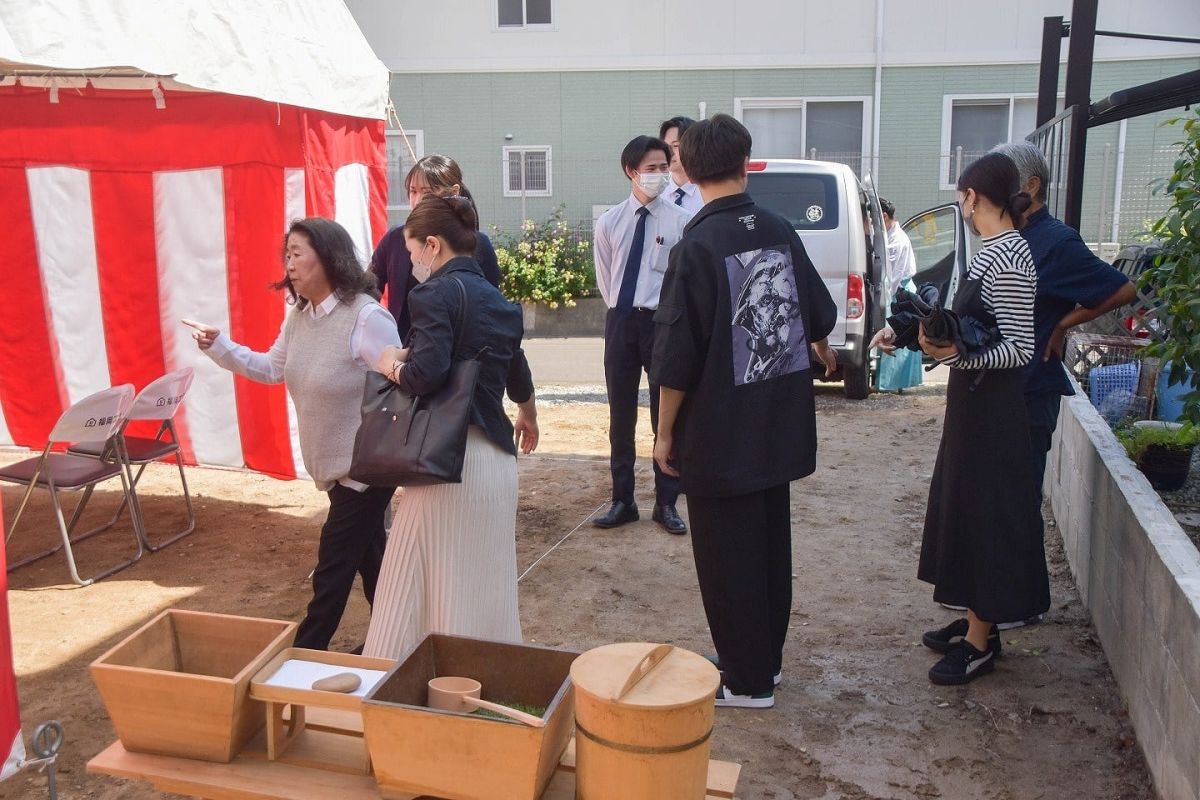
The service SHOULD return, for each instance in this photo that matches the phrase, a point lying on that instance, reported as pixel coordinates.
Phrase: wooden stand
(284, 728)
(250, 778)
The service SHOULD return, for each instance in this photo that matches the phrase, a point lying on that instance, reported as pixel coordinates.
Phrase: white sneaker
(776, 679)
(1036, 619)
(729, 699)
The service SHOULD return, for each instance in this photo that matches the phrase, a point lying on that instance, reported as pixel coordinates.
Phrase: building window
(527, 172)
(523, 13)
(400, 159)
(822, 129)
(973, 125)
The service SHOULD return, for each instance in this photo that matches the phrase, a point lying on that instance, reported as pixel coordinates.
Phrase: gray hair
(1031, 163)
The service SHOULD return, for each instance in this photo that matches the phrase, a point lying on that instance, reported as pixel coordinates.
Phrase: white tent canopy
(306, 53)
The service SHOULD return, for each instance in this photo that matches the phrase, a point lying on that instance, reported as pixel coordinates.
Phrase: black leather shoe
(666, 516)
(620, 513)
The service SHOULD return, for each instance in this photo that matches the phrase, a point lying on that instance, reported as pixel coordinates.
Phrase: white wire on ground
(560, 541)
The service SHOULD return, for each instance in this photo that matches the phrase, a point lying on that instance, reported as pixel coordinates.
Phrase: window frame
(418, 148)
(740, 104)
(525, 26)
(528, 148)
(945, 156)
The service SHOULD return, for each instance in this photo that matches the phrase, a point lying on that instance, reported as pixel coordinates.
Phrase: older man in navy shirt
(1073, 287)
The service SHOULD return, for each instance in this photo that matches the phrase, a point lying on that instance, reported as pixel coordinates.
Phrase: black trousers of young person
(743, 551)
(628, 345)
(352, 542)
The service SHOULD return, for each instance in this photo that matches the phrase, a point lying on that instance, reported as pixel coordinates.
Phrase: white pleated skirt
(451, 559)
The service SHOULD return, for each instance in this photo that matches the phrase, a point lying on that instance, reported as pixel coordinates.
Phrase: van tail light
(756, 166)
(856, 300)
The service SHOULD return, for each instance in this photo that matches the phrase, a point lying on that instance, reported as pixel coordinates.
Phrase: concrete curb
(1139, 575)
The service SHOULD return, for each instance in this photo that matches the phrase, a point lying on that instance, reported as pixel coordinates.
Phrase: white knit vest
(326, 386)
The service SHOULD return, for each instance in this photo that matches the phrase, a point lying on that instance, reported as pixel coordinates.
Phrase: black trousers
(743, 551)
(352, 541)
(628, 344)
(1043, 410)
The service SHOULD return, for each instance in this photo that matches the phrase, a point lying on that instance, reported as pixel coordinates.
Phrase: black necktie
(633, 264)
(679, 193)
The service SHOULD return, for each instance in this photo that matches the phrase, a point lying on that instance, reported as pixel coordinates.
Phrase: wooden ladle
(450, 693)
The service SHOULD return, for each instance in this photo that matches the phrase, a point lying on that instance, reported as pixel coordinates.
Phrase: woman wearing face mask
(334, 333)
(631, 243)
(391, 264)
(982, 545)
(451, 563)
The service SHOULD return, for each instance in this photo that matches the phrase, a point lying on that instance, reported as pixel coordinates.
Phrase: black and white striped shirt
(1009, 286)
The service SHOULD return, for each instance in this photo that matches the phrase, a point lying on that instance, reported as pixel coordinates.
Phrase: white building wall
(462, 35)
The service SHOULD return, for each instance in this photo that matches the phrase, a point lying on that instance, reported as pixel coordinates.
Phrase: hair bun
(1019, 203)
(464, 209)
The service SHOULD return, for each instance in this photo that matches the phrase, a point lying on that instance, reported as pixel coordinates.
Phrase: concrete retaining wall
(1140, 576)
(585, 319)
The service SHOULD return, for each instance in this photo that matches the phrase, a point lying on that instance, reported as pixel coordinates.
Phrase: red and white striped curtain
(121, 218)
(12, 746)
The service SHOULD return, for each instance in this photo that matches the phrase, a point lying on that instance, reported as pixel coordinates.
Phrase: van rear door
(939, 241)
(809, 200)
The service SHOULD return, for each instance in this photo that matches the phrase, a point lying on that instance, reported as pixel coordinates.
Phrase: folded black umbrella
(943, 327)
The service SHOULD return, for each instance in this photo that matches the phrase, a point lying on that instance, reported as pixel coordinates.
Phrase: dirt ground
(856, 716)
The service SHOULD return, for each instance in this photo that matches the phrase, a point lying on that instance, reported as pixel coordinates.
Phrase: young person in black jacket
(741, 324)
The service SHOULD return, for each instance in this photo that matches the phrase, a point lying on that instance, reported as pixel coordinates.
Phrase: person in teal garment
(900, 369)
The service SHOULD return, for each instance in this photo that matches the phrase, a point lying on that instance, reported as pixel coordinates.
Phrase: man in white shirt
(682, 192)
(632, 240)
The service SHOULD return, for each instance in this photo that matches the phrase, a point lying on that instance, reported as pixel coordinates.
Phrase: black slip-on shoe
(620, 513)
(943, 639)
(962, 664)
(776, 679)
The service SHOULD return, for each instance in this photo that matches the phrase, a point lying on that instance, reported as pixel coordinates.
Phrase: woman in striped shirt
(982, 545)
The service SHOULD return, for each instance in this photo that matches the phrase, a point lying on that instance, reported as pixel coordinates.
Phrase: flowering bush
(544, 263)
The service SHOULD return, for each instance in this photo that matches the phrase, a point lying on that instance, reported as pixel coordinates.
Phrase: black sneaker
(943, 639)
(1036, 619)
(962, 664)
(727, 699)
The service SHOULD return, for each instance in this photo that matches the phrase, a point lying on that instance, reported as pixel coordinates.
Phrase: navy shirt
(392, 267)
(1068, 275)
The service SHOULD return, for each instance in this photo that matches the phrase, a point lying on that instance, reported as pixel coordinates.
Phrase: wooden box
(179, 685)
(417, 750)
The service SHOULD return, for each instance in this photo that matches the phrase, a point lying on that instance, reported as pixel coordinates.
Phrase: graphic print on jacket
(768, 333)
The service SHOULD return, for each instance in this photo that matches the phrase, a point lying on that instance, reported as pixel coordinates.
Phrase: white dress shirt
(614, 236)
(691, 201)
(374, 330)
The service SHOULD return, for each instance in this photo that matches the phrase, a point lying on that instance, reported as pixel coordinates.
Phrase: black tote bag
(416, 441)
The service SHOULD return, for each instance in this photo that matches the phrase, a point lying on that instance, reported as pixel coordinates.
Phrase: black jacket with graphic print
(741, 302)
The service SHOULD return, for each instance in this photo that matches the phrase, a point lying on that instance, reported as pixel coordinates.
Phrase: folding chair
(159, 400)
(96, 418)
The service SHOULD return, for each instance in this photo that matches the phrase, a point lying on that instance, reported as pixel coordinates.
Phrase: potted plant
(1162, 451)
(1174, 276)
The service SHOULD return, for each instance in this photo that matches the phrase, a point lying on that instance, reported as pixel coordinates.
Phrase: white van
(828, 206)
(825, 201)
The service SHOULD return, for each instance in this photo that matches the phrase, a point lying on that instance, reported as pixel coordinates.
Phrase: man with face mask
(632, 240)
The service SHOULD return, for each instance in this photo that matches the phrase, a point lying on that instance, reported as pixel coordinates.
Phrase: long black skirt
(982, 547)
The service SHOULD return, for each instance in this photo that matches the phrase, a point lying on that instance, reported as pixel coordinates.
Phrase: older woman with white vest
(334, 333)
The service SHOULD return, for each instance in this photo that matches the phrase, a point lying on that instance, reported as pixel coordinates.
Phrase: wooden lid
(646, 675)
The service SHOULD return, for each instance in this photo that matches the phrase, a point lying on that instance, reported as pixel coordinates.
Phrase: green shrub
(544, 263)
(1137, 439)
(1175, 274)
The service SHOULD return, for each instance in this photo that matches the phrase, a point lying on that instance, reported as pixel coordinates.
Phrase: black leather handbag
(416, 441)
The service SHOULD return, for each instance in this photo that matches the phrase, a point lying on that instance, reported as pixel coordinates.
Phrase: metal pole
(523, 217)
(1103, 195)
(1052, 34)
(1078, 94)
(1117, 189)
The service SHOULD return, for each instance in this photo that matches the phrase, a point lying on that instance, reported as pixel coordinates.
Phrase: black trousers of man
(743, 551)
(628, 344)
(1043, 410)
(352, 541)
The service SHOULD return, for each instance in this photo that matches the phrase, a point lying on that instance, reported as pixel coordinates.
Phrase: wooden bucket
(643, 719)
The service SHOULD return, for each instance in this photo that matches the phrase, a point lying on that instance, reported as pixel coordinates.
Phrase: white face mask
(653, 183)
(422, 271)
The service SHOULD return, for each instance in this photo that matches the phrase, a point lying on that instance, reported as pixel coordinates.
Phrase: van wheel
(856, 381)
